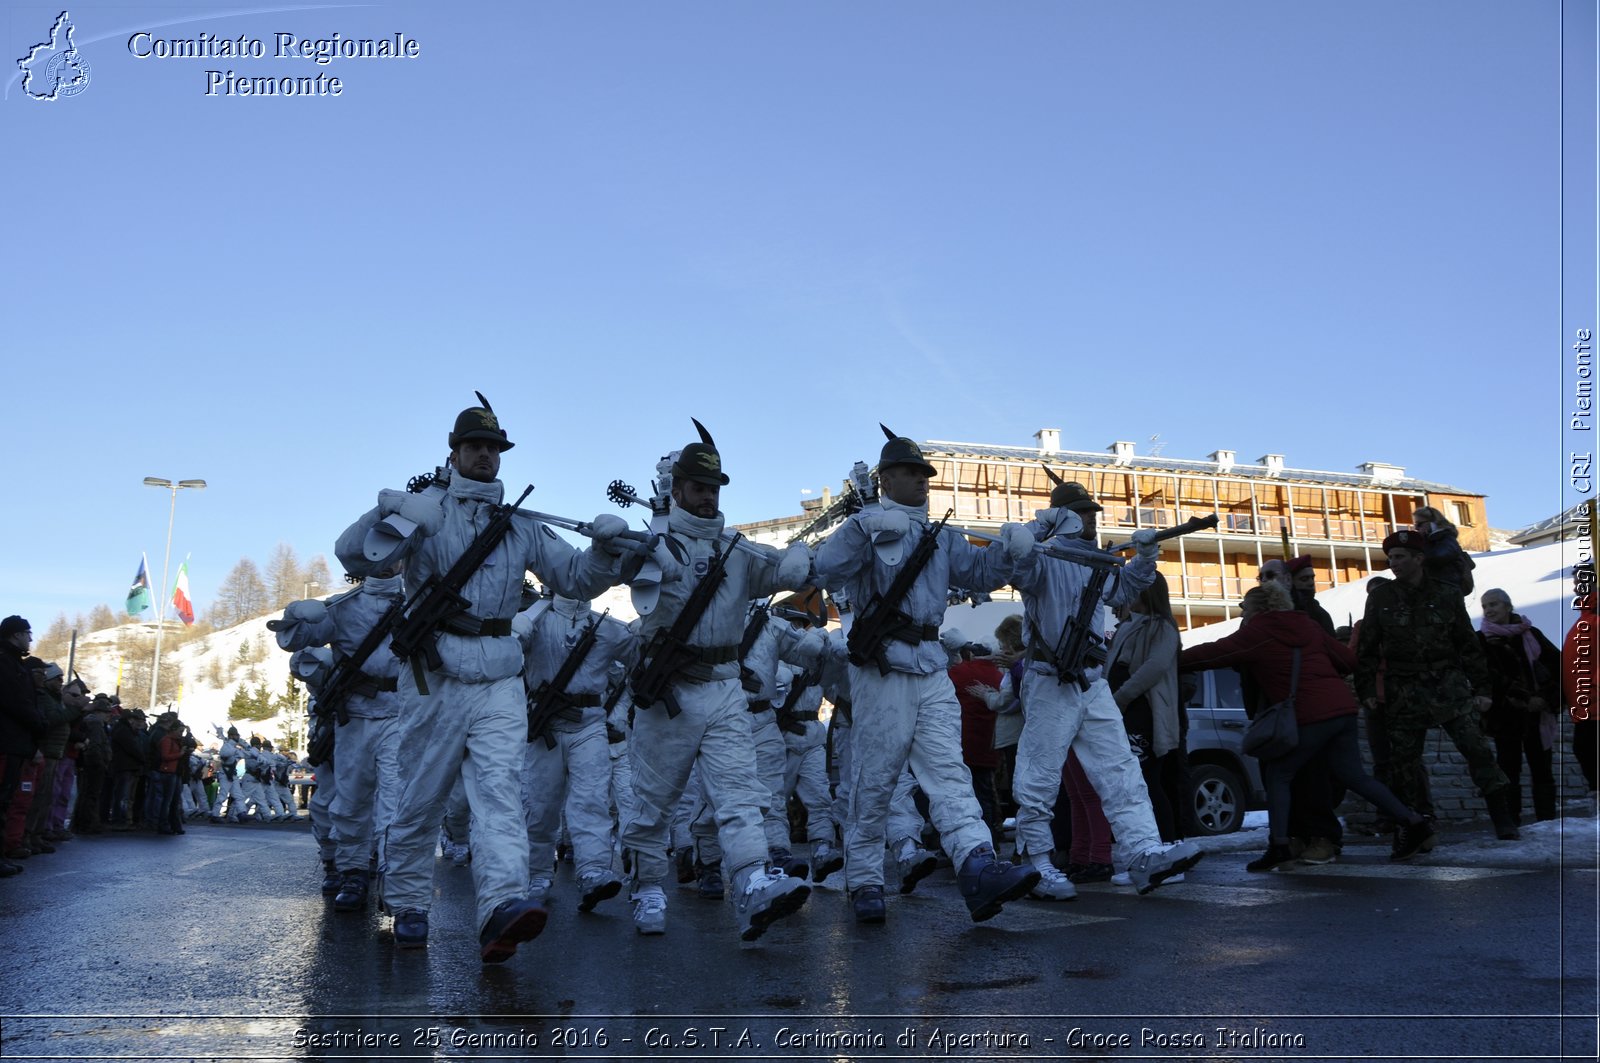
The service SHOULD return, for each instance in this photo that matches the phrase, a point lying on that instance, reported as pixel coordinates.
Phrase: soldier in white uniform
(768, 645)
(702, 713)
(805, 771)
(568, 762)
(908, 713)
(472, 705)
(1063, 713)
(366, 758)
(229, 792)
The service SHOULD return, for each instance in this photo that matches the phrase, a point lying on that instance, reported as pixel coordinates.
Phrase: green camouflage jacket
(1414, 631)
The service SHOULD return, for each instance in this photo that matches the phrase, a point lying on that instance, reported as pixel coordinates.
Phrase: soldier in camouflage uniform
(1435, 675)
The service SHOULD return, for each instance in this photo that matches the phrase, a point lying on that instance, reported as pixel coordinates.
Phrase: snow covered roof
(1243, 470)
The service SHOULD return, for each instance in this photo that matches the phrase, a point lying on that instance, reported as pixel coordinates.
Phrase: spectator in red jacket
(1325, 710)
(977, 728)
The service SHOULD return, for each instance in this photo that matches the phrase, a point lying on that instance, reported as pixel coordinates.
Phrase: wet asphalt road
(219, 945)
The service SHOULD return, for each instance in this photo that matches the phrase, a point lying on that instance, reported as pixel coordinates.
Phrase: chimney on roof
(1273, 462)
(1122, 451)
(1382, 472)
(1223, 458)
(1049, 440)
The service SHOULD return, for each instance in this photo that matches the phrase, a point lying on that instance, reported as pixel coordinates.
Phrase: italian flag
(181, 603)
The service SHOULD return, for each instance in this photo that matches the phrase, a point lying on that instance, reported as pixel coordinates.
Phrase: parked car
(1224, 783)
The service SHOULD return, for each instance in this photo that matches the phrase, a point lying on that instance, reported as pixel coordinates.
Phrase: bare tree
(241, 596)
(101, 617)
(285, 578)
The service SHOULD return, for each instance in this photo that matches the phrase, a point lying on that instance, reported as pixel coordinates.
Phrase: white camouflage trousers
(576, 776)
(714, 727)
(321, 818)
(805, 775)
(771, 764)
(906, 720)
(367, 765)
(229, 793)
(1059, 716)
(476, 731)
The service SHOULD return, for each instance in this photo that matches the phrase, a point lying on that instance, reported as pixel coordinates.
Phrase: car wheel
(1217, 797)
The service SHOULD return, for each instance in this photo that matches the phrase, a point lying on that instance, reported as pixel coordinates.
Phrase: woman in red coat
(1325, 710)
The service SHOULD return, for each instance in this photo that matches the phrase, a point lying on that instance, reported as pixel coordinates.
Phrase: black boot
(331, 879)
(352, 892)
(1502, 814)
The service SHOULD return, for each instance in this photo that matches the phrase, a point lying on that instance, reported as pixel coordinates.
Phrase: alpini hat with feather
(479, 422)
(700, 461)
(1070, 494)
(900, 450)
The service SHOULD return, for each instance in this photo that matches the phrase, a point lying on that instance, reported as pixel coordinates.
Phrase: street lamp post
(161, 615)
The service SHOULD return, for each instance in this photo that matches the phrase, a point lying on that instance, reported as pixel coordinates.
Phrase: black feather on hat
(700, 461)
(479, 422)
(901, 450)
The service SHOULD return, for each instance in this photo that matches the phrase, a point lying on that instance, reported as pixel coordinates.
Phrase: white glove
(1145, 540)
(311, 666)
(794, 566)
(1018, 542)
(604, 529)
(309, 611)
(887, 525)
(421, 510)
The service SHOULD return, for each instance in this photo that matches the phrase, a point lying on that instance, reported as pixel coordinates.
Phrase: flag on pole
(181, 603)
(139, 593)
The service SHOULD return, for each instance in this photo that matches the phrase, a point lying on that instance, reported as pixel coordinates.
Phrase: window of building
(1461, 514)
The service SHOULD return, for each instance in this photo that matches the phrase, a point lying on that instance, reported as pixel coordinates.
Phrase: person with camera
(1292, 659)
(462, 693)
(1525, 676)
(1435, 675)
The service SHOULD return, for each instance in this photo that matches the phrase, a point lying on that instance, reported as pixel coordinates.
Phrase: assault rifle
(752, 631)
(319, 748)
(438, 602)
(551, 699)
(797, 687)
(669, 651)
(1081, 647)
(345, 677)
(882, 619)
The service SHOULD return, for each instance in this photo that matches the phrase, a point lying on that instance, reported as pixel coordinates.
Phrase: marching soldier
(904, 707)
(699, 710)
(366, 770)
(468, 701)
(1078, 712)
(568, 762)
(229, 792)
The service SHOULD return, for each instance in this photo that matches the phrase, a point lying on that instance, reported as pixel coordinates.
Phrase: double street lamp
(161, 617)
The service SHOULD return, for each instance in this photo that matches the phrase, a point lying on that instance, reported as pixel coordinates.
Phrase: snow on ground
(1572, 842)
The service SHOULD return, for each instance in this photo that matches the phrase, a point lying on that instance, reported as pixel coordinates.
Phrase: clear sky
(1327, 230)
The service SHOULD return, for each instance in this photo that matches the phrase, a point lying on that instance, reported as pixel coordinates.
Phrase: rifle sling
(472, 627)
(912, 633)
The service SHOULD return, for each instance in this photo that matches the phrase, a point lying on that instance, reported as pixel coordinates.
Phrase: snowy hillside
(203, 705)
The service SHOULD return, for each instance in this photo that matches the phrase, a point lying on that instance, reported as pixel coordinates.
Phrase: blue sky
(1327, 230)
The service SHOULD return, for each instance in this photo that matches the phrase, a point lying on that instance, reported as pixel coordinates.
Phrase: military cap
(1408, 538)
(1074, 496)
(700, 461)
(478, 422)
(901, 450)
